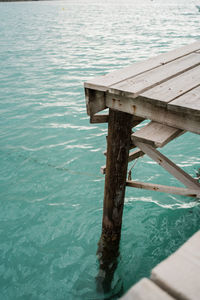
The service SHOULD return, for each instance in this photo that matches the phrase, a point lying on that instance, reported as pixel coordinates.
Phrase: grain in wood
(95, 101)
(150, 79)
(187, 102)
(149, 110)
(156, 134)
(119, 131)
(102, 83)
(175, 87)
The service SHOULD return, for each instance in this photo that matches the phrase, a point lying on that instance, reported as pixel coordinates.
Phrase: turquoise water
(50, 183)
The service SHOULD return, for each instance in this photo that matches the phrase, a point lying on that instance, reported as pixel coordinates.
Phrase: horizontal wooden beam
(99, 119)
(148, 110)
(103, 118)
(135, 154)
(164, 188)
(136, 121)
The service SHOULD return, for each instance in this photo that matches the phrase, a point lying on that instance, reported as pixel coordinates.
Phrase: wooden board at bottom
(146, 289)
(180, 273)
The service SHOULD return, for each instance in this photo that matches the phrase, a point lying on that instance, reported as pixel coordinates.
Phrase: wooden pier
(165, 90)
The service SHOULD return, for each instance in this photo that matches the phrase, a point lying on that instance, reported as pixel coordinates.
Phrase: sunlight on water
(50, 181)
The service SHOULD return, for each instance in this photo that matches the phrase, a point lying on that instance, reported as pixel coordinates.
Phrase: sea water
(51, 189)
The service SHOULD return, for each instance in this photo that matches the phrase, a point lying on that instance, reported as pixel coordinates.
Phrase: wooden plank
(156, 134)
(102, 82)
(175, 87)
(144, 108)
(187, 102)
(164, 188)
(99, 119)
(146, 289)
(136, 121)
(168, 165)
(179, 274)
(135, 154)
(144, 82)
(95, 101)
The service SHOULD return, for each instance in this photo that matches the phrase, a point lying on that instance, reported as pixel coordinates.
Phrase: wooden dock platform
(177, 277)
(165, 91)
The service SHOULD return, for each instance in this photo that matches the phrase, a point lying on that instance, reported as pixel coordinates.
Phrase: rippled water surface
(50, 183)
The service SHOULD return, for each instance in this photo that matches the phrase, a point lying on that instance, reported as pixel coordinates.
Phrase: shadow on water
(108, 254)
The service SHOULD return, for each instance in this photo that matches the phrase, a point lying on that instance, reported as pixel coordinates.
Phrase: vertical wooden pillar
(118, 144)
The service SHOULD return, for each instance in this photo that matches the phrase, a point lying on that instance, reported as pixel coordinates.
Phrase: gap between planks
(143, 83)
(101, 83)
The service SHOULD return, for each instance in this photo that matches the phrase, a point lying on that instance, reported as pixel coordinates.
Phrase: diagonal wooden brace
(168, 165)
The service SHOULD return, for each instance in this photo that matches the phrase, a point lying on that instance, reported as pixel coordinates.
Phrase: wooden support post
(119, 132)
(118, 144)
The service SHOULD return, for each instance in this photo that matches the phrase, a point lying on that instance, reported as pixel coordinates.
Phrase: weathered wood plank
(135, 154)
(146, 289)
(102, 82)
(136, 121)
(187, 102)
(179, 274)
(168, 165)
(163, 188)
(119, 131)
(148, 80)
(156, 134)
(142, 107)
(94, 119)
(175, 87)
(95, 101)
